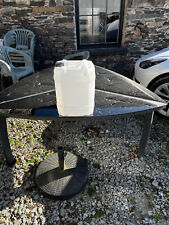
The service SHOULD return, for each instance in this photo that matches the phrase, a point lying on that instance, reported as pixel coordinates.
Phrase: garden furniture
(64, 175)
(15, 63)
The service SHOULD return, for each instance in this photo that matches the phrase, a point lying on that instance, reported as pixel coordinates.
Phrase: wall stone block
(37, 3)
(58, 9)
(67, 2)
(7, 11)
(9, 2)
(22, 2)
(147, 3)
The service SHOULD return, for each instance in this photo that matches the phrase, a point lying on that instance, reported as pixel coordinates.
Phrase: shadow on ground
(28, 193)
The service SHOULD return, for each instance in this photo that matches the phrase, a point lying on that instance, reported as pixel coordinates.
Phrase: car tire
(161, 88)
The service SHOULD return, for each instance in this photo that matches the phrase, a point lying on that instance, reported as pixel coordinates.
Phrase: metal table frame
(148, 119)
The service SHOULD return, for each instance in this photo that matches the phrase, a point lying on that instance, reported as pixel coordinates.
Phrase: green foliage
(40, 140)
(31, 139)
(158, 216)
(48, 154)
(87, 219)
(40, 153)
(132, 201)
(152, 197)
(91, 191)
(11, 141)
(34, 160)
(20, 144)
(99, 213)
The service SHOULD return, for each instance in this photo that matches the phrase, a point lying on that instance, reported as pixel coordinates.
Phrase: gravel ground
(122, 189)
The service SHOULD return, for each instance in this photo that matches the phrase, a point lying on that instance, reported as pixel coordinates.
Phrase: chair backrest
(21, 39)
(11, 56)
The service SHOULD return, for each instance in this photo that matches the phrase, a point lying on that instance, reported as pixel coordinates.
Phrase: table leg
(5, 142)
(145, 134)
(1, 81)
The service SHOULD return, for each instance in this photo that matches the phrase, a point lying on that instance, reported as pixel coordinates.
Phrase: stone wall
(146, 29)
(147, 24)
(52, 21)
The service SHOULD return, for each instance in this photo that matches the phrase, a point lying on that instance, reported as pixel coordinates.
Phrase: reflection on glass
(113, 6)
(112, 31)
(100, 25)
(99, 6)
(85, 29)
(85, 7)
(99, 28)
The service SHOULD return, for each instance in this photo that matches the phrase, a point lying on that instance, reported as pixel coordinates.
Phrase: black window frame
(99, 45)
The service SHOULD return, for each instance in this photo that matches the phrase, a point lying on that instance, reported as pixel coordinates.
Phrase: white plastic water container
(75, 87)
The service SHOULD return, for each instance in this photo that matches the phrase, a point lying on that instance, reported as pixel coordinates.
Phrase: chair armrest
(5, 68)
(27, 59)
(20, 57)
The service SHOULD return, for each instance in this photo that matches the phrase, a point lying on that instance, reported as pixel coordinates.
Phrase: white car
(152, 71)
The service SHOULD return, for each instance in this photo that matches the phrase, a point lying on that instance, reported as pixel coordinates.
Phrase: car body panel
(145, 76)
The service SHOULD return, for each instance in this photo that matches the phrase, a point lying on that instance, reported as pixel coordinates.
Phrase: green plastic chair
(15, 63)
(78, 56)
(21, 39)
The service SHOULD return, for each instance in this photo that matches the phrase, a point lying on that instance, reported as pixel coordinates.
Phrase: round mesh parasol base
(62, 183)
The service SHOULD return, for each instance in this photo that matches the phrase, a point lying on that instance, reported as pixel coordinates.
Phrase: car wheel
(161, 88)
